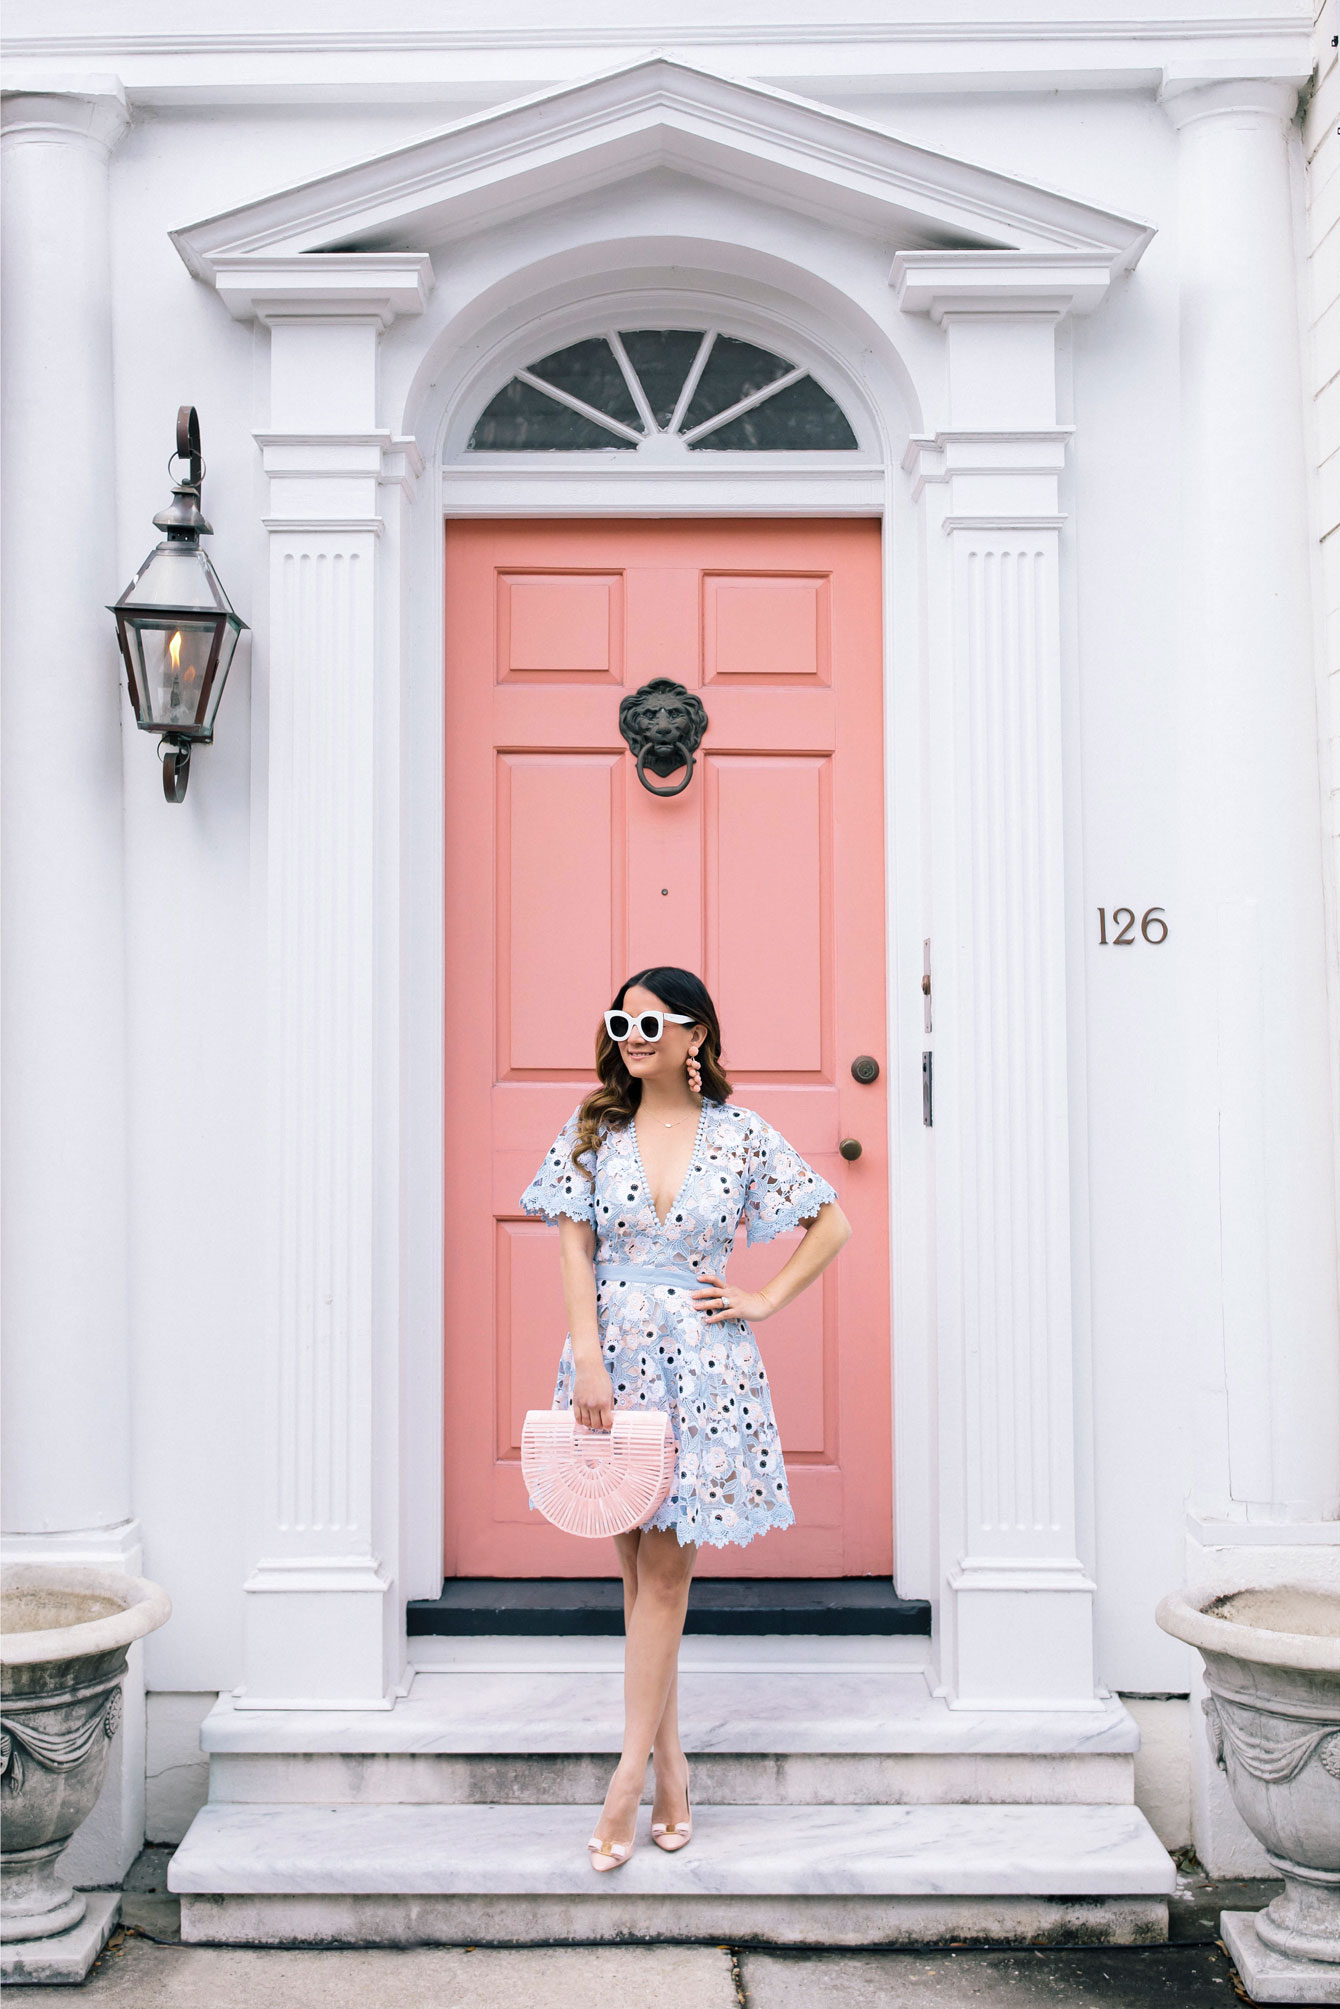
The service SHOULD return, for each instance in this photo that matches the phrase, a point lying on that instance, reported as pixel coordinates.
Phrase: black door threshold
(829, 1606)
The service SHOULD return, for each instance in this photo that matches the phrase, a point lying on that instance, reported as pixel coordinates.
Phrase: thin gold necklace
(676, 1121)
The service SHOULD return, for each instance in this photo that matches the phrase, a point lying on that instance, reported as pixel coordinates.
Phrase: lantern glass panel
(177, 575)
(179, 667)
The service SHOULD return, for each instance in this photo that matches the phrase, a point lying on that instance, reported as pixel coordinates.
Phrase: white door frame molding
(355, 1315)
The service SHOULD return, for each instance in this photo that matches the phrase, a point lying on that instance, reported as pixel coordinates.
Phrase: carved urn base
(1272, 1666)
(35, 1901)
(66, 1635)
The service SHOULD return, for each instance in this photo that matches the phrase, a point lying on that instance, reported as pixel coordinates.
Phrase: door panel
(563, 875)
(767, 864)
(558, 829)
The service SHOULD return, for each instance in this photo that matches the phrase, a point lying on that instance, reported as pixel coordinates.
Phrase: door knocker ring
(683, 754)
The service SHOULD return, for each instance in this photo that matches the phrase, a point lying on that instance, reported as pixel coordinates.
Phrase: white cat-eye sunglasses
(648, 1025)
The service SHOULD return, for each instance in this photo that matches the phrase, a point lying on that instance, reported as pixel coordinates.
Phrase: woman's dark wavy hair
(612, 1105)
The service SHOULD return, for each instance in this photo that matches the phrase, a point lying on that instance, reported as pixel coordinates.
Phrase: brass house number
(1153, 927)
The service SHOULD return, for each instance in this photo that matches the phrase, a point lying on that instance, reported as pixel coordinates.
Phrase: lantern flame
(174, 655)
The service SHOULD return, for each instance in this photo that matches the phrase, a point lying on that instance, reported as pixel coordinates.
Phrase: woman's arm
(823, 1238)
(592, 1389)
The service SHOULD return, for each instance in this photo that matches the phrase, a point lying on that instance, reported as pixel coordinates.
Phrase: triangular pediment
(660, 114)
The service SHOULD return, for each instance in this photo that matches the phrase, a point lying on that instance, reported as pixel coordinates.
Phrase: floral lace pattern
(730, 1480)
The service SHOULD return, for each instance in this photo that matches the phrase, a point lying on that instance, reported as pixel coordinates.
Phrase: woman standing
(648, 1181)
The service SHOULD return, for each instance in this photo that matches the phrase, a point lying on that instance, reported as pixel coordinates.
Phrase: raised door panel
(766, 626)
(560, 854)
(768, 853)
(554, 624)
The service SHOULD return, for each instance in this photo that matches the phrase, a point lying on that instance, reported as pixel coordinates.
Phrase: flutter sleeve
(558, 1187)
(781, 1190)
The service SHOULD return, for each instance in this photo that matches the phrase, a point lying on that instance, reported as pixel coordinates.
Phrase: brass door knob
(865, 1068)
(850, 1147)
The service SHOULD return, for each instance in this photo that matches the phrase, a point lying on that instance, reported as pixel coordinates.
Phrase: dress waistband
(654, 1276)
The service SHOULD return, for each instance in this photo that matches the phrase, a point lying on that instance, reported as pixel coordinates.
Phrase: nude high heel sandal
(606, 1856)
(673, 1835)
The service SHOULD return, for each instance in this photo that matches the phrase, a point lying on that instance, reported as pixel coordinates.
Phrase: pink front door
(564, 875)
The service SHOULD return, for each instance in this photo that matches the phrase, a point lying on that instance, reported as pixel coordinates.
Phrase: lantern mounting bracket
(188, 449)
(182, 519)
(176, 757)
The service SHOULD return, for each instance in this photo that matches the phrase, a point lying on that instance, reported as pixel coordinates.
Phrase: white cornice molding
(844, 59)
(329, 285)
(1090, 26)
(1003, 282)
(1085, 49)
(654, 112)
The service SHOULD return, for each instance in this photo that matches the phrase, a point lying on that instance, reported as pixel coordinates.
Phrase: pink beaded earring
(695, 1071)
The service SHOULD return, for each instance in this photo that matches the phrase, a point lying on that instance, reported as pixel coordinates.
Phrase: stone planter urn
(1272, 1666)
(64, 1634)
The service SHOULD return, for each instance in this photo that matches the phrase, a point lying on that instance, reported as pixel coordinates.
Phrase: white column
(1259, 1112)
(1015, 1600)
(323, 1625)
(1262, 1311)
(67, 1489)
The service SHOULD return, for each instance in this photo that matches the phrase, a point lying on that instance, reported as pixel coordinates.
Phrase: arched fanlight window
(707, 390)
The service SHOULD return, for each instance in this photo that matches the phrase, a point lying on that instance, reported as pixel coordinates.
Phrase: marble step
(498, 1710)
(807, 1736)
(838, 1875)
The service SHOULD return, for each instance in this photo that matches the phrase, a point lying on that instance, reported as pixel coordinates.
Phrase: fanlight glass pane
(589, 371)
(802, 418)
(522, 419)
(662, 358)
(734, 370)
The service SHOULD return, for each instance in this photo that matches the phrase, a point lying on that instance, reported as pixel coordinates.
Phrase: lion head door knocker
(664, 726)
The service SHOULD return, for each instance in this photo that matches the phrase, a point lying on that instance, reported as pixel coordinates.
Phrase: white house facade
(1065, 279)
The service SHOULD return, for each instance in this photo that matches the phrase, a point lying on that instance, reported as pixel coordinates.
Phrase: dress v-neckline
(688, 1170)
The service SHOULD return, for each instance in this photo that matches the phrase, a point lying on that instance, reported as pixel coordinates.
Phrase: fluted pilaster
(1016, 1618)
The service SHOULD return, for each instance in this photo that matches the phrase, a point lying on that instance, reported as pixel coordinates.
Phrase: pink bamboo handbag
(597, 1482)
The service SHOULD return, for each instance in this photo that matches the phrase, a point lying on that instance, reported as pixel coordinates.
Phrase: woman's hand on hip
(593, 1396)
(720, 1301)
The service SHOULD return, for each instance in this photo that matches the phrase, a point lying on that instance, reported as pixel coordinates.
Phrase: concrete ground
(146, 1967)
(136, 1973)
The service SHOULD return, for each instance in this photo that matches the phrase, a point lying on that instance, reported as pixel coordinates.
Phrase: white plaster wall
(176, 1782)
(1163, 1765)
(192, 872)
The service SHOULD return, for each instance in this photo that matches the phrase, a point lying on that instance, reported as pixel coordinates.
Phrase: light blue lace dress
(730, 1481)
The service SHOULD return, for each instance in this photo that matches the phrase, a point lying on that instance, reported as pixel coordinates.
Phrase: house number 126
(1153, 927)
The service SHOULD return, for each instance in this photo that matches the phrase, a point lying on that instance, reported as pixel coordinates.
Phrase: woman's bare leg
(671, 1802)
(656, 1574)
